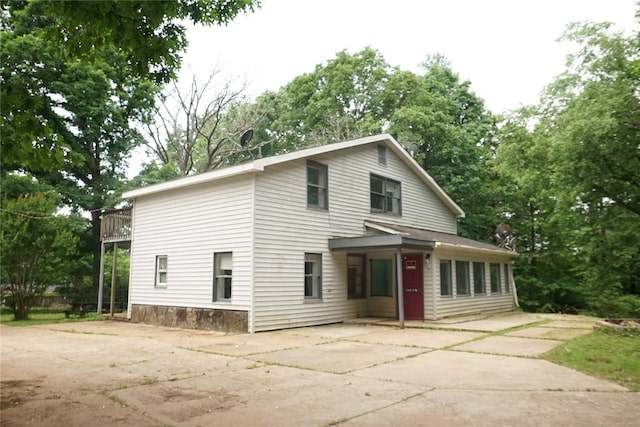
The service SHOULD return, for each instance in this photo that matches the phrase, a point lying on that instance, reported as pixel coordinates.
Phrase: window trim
(388, 289)
(324, 185)
(507, 279)
(318, 274)
(384, 195)
(157, 282)
(497, 268)
(482, 278)
(449, 283)
(382, 155)
(217, 258)
(363, 278)
(467, 279)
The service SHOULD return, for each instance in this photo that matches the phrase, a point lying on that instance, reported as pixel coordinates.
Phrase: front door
(413, 287)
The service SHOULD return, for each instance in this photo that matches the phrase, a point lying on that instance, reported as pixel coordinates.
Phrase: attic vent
(382, 155)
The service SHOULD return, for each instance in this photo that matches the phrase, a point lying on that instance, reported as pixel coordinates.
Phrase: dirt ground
(115, 373)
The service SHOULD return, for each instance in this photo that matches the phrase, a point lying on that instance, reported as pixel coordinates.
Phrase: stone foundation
(191, 318)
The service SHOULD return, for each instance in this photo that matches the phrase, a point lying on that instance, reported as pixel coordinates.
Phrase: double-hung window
(223, 274)
(317, 185)
(162, 270)
(312, 276)
(385, 195)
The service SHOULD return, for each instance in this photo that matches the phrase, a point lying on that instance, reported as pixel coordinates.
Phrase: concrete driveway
(461, 372)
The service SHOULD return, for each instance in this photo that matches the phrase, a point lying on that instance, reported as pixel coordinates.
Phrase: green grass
(40, 316)
(605, 354)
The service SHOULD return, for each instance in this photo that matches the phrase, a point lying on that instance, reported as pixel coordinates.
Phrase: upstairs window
(162, 269)
(317, 186)
(223, 269)
(385, 195)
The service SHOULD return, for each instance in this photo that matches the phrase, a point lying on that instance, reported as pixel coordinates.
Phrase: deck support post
(101, 278)
(114, 266)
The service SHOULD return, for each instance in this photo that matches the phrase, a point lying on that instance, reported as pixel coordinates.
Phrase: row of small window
(223, 275)
(463, 278)
(385, 195)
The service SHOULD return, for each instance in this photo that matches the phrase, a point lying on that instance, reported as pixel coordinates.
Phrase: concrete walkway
(475, 371)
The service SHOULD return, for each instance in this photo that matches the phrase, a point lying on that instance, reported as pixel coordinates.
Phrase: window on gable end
(385, 195)
(382, 155)
(317, 185)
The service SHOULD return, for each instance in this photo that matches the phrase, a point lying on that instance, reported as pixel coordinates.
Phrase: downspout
(400, 287)
(513, 285)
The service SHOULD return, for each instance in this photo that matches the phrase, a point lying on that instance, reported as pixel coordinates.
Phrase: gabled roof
(258, 165)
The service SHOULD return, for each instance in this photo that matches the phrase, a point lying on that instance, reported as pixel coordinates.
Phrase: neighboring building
(308, 238)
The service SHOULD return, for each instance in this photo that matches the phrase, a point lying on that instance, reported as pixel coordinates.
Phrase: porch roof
(398, 236)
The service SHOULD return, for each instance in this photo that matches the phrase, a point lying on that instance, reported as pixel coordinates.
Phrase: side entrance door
(413, 287)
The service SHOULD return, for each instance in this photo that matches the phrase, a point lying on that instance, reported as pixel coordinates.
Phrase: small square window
(223, 274)
(162, 269)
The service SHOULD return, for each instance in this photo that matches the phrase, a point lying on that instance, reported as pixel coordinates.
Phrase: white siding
(188, 226)
(285, 229)
(457, 305)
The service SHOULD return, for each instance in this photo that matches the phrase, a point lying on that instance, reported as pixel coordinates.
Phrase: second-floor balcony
(115, 225)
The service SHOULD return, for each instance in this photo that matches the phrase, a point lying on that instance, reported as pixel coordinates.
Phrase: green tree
(455, 133)
(147, 37)
(37, 246)
(575, 165)
(339, 100)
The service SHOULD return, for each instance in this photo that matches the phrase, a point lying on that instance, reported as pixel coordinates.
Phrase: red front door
(413, 287)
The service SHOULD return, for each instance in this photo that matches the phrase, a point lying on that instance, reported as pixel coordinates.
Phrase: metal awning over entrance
(391, 236)
(392, 241)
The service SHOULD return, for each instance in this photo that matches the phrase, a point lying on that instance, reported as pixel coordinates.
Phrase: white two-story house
(317, 236)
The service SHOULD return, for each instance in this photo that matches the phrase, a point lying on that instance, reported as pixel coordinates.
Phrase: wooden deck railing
(115, 226)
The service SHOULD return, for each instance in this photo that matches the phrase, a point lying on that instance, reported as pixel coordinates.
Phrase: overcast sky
(506, 48)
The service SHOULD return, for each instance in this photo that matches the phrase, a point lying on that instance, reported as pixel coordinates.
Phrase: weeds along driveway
(483, 371)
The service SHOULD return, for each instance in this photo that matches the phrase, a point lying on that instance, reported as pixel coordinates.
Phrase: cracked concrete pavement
(481, 371)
